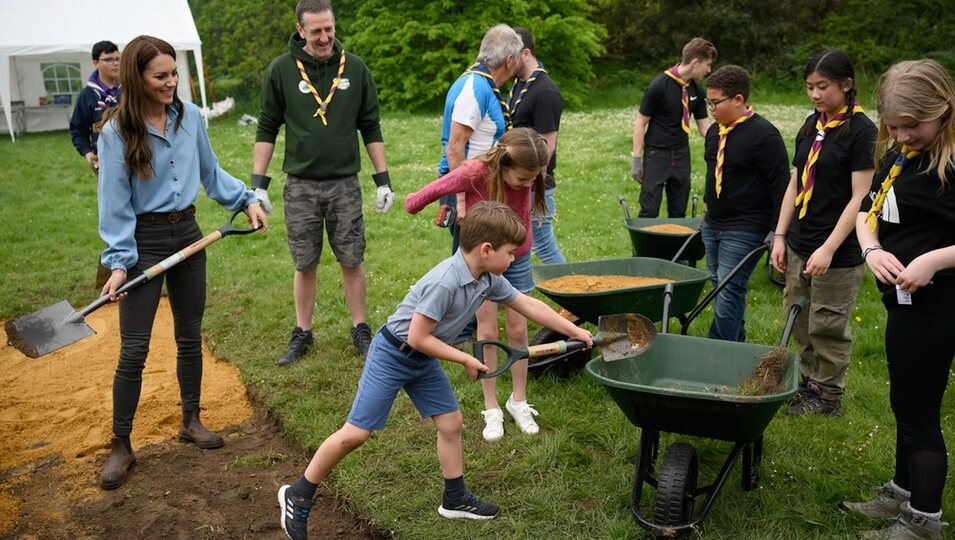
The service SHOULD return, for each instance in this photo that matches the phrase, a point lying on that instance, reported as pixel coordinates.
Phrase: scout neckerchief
(512, 105)
(721, 148)
(823, 126)
(481, 69)
(905, 155)
(322, 105)
(674, 74)
(108, 95)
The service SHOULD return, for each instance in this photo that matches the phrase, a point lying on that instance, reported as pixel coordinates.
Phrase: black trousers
(186, 285)
(919, 348)
(665, 168)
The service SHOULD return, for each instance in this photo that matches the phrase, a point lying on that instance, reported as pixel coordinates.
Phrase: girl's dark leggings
(919, 347)
(186, 286)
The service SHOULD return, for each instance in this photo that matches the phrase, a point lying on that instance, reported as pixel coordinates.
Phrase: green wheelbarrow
(663, 245)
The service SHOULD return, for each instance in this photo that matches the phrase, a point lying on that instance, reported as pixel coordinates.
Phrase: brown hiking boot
(886, 505)
(911, 525)
(197, 434)
(117, 466)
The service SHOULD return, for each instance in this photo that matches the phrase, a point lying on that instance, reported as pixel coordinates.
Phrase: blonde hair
(519, 148)
(921, 90)
(494, 222)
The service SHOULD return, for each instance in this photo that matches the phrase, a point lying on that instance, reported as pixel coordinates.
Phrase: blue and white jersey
(471, 101)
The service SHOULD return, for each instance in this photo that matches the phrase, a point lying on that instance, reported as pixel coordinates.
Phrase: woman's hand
(116, 280)
(257, 217)
(884, 265)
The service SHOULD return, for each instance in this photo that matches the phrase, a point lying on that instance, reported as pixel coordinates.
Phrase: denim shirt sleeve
(117, 217)
(220, 186)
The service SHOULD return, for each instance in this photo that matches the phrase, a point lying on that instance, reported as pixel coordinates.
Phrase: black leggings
(919, 347)
(186, 285)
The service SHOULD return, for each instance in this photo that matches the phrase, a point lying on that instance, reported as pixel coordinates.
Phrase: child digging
(403, 355)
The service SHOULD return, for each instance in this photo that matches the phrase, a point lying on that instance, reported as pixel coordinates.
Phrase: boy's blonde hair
(921, 90)
(519, 148)
(494, 222)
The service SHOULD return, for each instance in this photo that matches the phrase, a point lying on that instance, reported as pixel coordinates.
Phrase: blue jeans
(545, 245)
(724, 250)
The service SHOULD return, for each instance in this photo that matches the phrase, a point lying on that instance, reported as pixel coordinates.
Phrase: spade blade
(47, 330)
(624, 335)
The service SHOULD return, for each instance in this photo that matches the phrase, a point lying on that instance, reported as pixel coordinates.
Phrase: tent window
(62, 78)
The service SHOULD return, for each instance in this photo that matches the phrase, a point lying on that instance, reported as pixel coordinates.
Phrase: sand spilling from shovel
(768, 376)
(588, 283)
(669, 228)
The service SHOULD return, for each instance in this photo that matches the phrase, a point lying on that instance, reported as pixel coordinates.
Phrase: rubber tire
(675, 486)
(565, 367)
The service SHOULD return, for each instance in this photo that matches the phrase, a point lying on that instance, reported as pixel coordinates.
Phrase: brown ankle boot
(117, 466)
(197, 434)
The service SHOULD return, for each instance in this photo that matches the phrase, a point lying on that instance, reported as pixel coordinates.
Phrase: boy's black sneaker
(470, 507)
(297, 346)
(294, 517)
(361, 338)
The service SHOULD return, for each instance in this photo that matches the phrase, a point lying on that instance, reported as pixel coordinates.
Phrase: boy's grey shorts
(314, 206)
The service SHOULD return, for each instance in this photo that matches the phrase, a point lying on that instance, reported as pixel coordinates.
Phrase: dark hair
(732, 80)
(836, 66)
(101, 47)
(130, 115)
(311, 6)
(494, 222)
(526, 37)
(698, 49)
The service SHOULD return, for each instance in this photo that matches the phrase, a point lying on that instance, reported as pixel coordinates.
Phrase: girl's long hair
(921, 90)
(519, 148)
(130, 115)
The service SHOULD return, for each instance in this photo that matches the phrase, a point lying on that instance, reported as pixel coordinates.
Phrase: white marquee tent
(38, 35)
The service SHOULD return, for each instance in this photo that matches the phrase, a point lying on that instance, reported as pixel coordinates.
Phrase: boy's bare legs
(457, 502)
(449, 444)
(333, 450)
(487, 330)
(516, 327)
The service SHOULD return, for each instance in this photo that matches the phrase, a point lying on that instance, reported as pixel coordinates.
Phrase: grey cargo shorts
(311, 207)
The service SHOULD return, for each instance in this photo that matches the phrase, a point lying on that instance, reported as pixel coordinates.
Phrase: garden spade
(59, 325)
(619, 336)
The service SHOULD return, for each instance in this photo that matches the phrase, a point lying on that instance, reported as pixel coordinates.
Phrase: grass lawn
(573, 480)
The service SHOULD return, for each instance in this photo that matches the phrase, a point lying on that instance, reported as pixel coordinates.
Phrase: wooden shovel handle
(556, 347)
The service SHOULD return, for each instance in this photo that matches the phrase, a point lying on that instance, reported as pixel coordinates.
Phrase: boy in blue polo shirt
(403, 355)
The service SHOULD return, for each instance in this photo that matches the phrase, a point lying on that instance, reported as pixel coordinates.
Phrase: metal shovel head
(624, 335)
(47, 330)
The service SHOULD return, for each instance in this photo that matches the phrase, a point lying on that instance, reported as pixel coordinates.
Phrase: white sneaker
(493, 424)
(523, 414)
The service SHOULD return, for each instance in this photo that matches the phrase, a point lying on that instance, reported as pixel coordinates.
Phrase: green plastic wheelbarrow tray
(647, 300)
(663, 245)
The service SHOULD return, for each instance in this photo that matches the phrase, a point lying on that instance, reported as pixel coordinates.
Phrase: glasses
(712, 103)
(109, 60)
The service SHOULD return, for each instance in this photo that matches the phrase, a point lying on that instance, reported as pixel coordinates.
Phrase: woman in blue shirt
(154, 151)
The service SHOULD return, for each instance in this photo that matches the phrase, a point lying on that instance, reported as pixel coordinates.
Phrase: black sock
(305, 489)
(126, 443)
(454, 489)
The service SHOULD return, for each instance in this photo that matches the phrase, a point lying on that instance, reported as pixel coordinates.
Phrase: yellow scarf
(905, 155)
(322, 104)
(674, 74)
(823, 126)
(721, 148)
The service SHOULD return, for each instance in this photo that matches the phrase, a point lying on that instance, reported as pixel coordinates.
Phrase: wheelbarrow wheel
(563, 367)
(676, 485)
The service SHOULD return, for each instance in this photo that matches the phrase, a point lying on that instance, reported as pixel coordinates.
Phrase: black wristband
(381, 179)
(260, 181)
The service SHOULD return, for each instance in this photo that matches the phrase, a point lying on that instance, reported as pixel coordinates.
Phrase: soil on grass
(55, 429)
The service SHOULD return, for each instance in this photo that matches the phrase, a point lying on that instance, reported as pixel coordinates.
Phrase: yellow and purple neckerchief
(905, 155)
(823, 126)
(479, 68)
(512, 105)
(322, 104)
(674, 74)
(721, 148)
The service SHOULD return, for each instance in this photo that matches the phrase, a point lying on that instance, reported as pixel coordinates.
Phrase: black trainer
(361, 337)
(297, 346)
(294, 517)
(470, 507)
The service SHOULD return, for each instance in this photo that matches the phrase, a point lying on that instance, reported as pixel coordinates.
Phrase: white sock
(906, 494)
(934, 516)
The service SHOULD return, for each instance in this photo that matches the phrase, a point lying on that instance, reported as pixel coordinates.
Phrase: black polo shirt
(846, 148)
(540, 108)
(755, 176)
(662, 103)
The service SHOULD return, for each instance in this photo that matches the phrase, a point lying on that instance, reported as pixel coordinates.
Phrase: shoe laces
(493, 415)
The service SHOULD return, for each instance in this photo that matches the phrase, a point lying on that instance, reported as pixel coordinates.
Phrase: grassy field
(573, 480)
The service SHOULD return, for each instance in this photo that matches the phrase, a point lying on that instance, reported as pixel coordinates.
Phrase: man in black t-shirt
(661, 144)
(535, 102)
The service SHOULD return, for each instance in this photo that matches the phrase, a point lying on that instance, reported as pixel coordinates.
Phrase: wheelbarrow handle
(686, 243)
(626, 209)
(794, 310)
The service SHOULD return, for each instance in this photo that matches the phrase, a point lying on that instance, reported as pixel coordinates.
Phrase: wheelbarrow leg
(752, 458)
(649, 443)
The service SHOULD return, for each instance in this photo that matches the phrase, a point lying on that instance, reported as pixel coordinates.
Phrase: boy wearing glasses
(747, 172)
(661, 134)
(100, 93)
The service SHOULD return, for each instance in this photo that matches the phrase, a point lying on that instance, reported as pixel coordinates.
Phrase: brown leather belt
(167, 217)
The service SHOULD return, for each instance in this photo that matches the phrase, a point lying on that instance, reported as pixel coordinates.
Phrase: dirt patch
(588, 283)
(669, 228)
(55, 427)
(768, 376)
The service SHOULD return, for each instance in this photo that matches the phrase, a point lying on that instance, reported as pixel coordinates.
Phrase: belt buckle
(175, 217)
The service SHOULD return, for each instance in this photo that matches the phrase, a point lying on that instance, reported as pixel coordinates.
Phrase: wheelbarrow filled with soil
(673, 239)
(703, 388)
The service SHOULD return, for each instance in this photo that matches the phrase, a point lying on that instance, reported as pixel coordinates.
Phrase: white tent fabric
(33, 28)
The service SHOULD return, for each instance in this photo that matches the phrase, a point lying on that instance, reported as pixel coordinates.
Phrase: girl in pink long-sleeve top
(508, 173)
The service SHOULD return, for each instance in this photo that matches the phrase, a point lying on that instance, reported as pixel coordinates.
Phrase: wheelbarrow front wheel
(676, 485)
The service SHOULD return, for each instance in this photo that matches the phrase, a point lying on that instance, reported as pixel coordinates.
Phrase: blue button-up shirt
(181, 159)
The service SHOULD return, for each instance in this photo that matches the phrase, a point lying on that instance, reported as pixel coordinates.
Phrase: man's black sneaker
(470, 507)
(361, 337)
(294, 517)
(297, 346)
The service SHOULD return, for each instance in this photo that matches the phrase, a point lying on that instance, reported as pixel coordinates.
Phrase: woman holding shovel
(154, 152)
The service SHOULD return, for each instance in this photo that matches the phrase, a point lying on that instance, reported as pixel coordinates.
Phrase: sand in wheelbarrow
(768, 376)
(581, 283)
(669, 228)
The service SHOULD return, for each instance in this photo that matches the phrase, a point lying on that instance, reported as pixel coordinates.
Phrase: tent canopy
(39, 27)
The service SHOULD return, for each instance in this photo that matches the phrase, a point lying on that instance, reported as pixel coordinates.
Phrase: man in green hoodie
(325, 97)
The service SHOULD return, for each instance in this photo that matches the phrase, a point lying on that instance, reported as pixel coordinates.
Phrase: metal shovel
(619, 336)
(59, 325)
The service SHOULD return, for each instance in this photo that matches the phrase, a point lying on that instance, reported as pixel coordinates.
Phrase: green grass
(573, 480)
